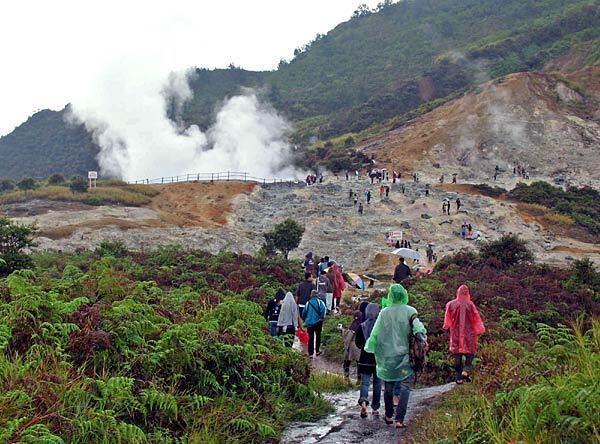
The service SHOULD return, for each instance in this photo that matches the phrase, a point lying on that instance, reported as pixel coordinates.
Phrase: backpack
(417, 350)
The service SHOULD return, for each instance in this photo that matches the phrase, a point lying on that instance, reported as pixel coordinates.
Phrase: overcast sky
(55, 51)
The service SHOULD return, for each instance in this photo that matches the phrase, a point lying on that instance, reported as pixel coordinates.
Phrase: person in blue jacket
(313, 316)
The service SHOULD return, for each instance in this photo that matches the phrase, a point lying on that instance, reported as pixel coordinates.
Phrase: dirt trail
(346, 426)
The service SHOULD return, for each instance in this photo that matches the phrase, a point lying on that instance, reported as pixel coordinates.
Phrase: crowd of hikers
(386, 340)
(317, 295)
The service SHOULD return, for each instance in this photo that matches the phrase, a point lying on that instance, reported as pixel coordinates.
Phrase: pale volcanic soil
(230, 215)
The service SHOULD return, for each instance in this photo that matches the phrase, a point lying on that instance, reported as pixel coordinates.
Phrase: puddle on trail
(345, 425)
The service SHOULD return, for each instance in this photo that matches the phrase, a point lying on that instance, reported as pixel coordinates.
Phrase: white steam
(127, 115)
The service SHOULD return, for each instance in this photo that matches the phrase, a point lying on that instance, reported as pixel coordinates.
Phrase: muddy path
(346, 426)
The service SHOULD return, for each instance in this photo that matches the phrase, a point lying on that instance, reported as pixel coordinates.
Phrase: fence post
(198, 177)
(212, 177)
(227, 175)
(245, 180)
(188, 178)
(162, 180)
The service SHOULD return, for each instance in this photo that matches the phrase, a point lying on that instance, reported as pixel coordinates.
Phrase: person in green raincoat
(389, 341)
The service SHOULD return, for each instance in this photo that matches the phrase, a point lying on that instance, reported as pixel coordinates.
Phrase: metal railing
(212, 177)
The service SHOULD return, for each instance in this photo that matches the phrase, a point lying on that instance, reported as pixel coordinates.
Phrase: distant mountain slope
(394, 60)
(46, 144)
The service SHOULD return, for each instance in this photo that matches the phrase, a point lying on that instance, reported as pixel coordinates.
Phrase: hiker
(389, 342)
(387, 191)
(381, 191)
(403, 188)
(309, 263)
(360, 208)
(355, 199)
(347, 177)
(351, 351)
(464, 322)
(367, 364)
(325, 289)
(444, 207)
(397, 244)
(350, 194)
(454, 177)
(429, 252)
(457, 204)
(402, 271)
(338, 283)
(368, 196)
(289, 319)
(427, 190)
(442, 178)
(463, 230)
(495, 175)
(394, 176)
(273, 310)
(469, 230)
(323, 265)
(313, 316)
(304, 290)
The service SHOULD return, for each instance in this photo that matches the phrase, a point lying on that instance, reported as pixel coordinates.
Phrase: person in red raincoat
(464, 322)
(338, 284)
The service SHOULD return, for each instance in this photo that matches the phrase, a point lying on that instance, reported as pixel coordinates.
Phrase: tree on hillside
(56, 179)
(6, 185)
(26, 184)
(78, 184)
(507, 251)
(284, 237)
(14, 238)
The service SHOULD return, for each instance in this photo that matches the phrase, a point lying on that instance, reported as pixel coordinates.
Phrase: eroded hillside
(528, 119)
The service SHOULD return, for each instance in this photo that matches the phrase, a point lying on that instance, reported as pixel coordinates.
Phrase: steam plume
(128, 118)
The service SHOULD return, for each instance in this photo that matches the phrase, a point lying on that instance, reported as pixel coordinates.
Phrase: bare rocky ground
(333, 225)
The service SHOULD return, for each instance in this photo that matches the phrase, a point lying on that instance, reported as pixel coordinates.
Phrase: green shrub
(507, 251)
(14, 238)
(56, 179)
(26, 184)
(78, 184)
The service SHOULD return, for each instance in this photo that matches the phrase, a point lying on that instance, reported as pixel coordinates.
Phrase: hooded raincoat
(389, 340)
(464, 322)
(289, 312)
(337, 281)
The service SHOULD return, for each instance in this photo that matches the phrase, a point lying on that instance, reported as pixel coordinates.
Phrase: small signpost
(93, 177)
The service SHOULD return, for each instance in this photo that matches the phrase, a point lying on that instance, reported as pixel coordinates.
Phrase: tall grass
(132, 195)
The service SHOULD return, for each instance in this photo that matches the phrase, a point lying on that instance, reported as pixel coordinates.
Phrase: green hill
(380, 64)
(46, 144)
